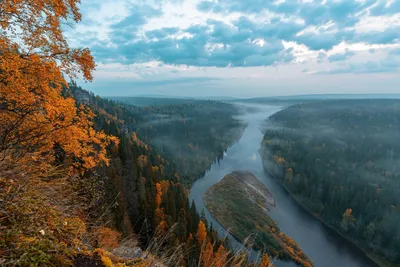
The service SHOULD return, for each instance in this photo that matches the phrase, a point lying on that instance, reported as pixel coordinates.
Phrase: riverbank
(323, 246)
(370, 255)
(240, 203)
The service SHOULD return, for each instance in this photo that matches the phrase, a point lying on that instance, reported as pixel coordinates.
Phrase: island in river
(240, 203)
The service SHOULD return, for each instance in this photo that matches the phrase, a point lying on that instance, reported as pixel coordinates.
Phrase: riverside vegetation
(340, 159)
(240, 202)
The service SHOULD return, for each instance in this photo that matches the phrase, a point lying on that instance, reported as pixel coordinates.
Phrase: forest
(191, 135)
(340, 159)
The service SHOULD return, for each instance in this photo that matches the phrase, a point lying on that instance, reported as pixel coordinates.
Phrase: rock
(128, 252)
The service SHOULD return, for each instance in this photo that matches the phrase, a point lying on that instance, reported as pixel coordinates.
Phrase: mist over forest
(341, 160)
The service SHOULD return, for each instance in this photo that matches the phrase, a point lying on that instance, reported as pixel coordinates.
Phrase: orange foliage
(158, 195)
(155, 169)
(221, 256)
(208, 256)
(34, 58)
(36, 121)
(164, 187)
(107, 238)
(201, 232)
(265, 261)
(348, 216)
(159, 212)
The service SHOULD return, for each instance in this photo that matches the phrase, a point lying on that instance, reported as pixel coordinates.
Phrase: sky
(241, 48)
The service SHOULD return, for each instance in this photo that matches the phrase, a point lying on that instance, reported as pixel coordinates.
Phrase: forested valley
(189, 134)
(340, 159)
(148, 193)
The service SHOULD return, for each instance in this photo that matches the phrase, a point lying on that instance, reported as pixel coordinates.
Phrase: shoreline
(371, 256)
(247, 191)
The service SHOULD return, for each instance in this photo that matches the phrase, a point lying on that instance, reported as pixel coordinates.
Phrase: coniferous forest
(147, 194)
(340, 159)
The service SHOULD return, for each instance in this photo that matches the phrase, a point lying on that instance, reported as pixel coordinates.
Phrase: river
(325, 247)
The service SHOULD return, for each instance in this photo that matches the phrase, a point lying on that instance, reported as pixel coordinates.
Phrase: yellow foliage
(105, 257)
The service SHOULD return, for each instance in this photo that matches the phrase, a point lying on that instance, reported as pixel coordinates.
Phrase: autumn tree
(41, 126)
(159, 194)
(208, 255)
(34, 59)
(201, 232)
(159, 213)
(221, 256)
(265, 261)
(348, 219)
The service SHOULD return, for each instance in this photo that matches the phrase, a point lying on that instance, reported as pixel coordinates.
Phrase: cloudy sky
(241, 48)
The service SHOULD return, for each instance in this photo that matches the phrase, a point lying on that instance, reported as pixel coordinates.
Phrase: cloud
(341, 56)
(387, 36)
(387, 65)
(237, 33)
(342, 12)
(208, 6)
(382, 8)
(285, 30)
(318, 41)
(162, 33)
(215, 44)
(395, 52)
(126, 29)
(321, 56)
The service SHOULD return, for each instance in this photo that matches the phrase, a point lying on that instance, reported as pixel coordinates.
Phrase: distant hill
(151, 101)
(296, 99)
(165, 100)
(159, 100)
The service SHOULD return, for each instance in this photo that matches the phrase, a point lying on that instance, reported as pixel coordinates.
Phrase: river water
(325, 247)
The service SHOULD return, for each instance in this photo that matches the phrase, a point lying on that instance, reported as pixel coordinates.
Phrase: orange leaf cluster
(158, 195)
(34, 57)
(265, 261)
(208, 256)
(107, 238)
(221, 257)
(201, 232)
